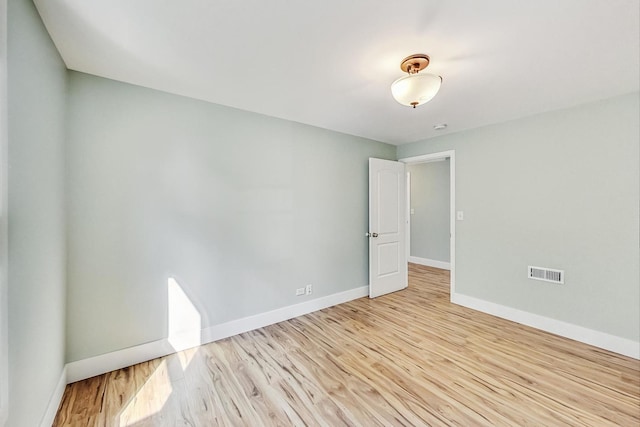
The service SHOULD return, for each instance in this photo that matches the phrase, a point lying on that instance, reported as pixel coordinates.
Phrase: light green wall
(4, 213)
(557, 190)
(37, 83)
(430, 203)
(241, 208)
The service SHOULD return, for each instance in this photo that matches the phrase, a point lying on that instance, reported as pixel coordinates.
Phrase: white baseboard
(90, 367)
(603, 340)
(98, 365)
(54, 402)
(430, 262)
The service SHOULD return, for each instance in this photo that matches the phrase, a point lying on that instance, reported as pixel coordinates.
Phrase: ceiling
(330, 63)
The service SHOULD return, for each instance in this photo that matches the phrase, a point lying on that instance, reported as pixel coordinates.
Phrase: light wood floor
(409, 358)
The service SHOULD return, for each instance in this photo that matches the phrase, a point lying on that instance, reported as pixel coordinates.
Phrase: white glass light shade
(416, 89)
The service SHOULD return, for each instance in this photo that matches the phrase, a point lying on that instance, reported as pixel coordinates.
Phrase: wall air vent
(546, 274)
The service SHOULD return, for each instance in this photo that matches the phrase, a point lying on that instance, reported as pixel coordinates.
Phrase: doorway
(427, 158)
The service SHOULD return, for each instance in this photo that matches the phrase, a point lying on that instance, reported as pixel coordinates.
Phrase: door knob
(371, 235)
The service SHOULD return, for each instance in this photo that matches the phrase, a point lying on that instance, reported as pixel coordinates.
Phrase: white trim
(56, 399)
(426, 158)
(408, 200)
(90, 367)
(103, 363)
(430, 262)
(603, 340)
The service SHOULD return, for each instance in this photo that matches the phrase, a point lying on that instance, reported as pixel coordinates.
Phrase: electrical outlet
(309, 289)
(299, 291)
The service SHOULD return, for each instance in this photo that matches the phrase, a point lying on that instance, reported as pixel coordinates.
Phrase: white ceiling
(330, 63)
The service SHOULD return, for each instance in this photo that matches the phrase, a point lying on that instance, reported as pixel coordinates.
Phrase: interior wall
(37, 85)
(241, 209)
(430, 205)
(4, 165)
(558, 190)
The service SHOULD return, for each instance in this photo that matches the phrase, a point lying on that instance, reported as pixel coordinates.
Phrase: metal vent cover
(546, 274)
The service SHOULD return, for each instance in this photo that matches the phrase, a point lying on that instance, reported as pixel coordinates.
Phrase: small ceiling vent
(546, 274)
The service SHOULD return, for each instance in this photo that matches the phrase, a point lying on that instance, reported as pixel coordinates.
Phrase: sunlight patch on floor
(150, 399)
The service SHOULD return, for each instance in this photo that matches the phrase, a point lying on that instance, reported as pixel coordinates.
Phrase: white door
(387, 222)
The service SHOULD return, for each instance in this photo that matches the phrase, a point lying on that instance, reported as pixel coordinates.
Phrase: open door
(387, 222)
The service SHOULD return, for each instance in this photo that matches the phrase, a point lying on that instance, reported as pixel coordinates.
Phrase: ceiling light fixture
(415, 89)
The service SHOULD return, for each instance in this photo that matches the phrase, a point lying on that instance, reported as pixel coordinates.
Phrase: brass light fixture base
(414, 63)
(415, 88)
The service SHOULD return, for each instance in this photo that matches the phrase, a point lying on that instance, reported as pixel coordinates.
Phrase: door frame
(426, 158)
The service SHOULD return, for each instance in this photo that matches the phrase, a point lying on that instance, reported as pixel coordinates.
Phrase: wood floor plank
(410, 358)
